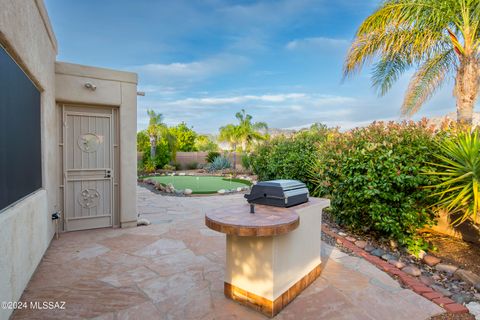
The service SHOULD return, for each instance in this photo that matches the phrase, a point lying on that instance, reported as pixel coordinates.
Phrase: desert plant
(219, 163)
(458, 169)
(440, 38)
(211, 156)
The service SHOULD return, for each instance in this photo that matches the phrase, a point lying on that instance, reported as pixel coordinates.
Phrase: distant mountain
(274, 132)
(437, 121)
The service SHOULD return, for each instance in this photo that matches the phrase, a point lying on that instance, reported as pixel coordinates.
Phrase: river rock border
(397, 270)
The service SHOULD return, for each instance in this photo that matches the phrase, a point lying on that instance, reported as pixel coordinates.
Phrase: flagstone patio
(173, 269)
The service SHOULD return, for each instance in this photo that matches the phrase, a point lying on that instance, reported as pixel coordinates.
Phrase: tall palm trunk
(153, 147)
(234, 156)
(244, 146)
(466, 89)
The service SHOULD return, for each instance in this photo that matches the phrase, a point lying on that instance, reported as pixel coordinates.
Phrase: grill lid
(285, 185)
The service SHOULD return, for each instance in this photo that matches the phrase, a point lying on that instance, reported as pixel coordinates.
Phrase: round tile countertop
(266, 221)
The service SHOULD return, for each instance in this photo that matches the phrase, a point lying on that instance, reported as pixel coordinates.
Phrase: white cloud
(317, 43)
(189, 71)
(279, 110)
(219, 101)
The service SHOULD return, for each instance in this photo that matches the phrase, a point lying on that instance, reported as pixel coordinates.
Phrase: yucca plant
(458, 169)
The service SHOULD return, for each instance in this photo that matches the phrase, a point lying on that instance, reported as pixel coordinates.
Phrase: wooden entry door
(88, 169)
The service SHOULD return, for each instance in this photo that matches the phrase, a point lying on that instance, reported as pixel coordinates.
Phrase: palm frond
(427, 80)
(387, 71)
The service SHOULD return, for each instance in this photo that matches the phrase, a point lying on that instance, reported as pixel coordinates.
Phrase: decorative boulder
(188, 192)
(221, 191)
(143, 222)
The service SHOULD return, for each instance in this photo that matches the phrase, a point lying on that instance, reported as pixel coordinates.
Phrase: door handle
(108, 173)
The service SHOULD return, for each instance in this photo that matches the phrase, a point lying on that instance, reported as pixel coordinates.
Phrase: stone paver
(173, 269)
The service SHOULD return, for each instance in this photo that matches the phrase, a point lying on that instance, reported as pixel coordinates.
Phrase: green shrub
(373, 176)
(246, 161)
(205, 143)
(168, 167)
(458, 169)
(149, 166)
(192, 165)
(162, 154)
(219, 163)
(289, 157)
(185, 137)
(211, 156)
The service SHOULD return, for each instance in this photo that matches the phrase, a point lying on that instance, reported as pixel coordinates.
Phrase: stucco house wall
(26, 226)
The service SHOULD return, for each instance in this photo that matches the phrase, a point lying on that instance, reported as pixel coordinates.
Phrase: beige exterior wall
(26, 227)
(116, 89)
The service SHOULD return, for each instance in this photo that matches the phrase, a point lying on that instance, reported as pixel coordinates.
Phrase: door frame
(110, 112)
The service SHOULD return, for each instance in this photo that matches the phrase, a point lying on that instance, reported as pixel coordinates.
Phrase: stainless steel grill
(278, 193)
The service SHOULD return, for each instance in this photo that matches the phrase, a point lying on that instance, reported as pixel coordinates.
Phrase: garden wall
(186, 158)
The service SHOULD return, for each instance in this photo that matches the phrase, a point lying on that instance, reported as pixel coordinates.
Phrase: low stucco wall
(23, 240)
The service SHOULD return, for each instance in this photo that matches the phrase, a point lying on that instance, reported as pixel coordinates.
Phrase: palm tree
(230, 134)
(440, 38)
(249, 132)
(245, 133)
(154, 130)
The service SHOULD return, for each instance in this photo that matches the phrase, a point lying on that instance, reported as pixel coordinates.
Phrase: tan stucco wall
(26, 228)
(113, 88)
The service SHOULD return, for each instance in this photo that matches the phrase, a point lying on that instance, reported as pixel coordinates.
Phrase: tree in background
(143, 141)
(231, 135)
(185, 137)
(155, 129)
(162, 152)
(205, 143)
(245, 134)
(440, 38)
(250, 132)
(157, 143)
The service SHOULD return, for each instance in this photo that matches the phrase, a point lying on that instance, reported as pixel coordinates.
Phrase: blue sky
(202, 61)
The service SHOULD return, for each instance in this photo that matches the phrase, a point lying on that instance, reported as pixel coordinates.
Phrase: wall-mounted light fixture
(90, 86)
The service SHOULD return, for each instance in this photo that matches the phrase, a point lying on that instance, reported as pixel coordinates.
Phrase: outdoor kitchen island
(272, 254)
